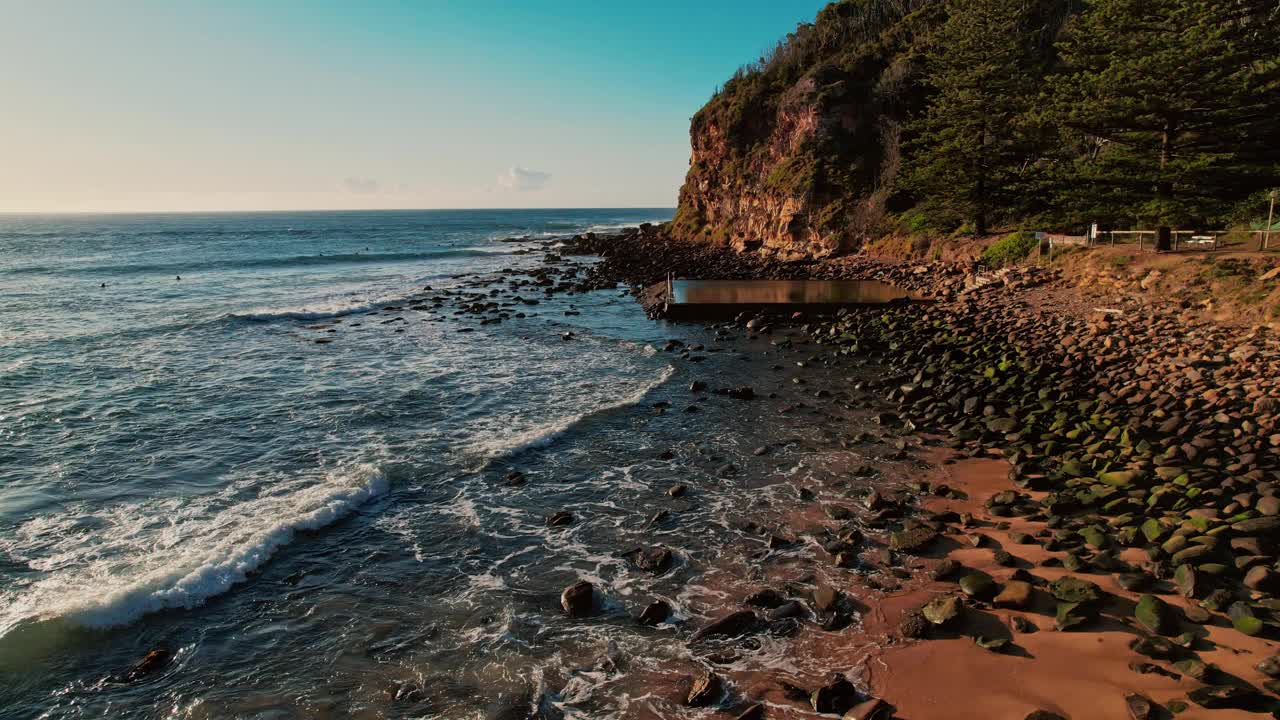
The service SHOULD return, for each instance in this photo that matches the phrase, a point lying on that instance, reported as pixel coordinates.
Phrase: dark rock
(1214, 697)
(1263, 579)
(1022, 625)
(1157, 648)
(1146, 668)
(912, 540)
(739, 393)
(945, 569)
(1015, 594)
(655, 612)
(835, 697)
(731, 625)
(706, 689)
(1270, 666)
(578, 599)
(1257, 526)
(913, 625)
(1153, 615)
(1139, 707)
(825, 598)
(1194, 668)
(978, 585)
(766, 598)
(1071, 614)
(656, 559)
(1184, 578)
(560, 519)
(873, 709)
(1134, 582)
(1074, 590)
(789, 609)
(150, 663)
(942, 610)
(1197, 614)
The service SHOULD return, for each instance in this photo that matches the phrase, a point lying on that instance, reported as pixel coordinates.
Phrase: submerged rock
(655, 559)
(152, 662)
(655, 612)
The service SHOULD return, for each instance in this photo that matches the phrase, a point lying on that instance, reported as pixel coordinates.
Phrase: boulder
(1153, 615)
(578, 599)
(731, 625)
(1139, 707)
(705, 690)
(943, 610)
(1074, 590)
(655, 612)
(1015, 594)
(836, 697)
(978, 585)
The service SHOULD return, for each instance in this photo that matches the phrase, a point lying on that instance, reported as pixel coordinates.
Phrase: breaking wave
(151, 557)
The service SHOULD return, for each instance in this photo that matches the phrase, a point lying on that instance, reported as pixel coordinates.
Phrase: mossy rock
(1153, 615)
(1074, 590)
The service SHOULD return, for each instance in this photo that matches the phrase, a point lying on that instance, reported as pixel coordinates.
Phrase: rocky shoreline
(1135, 497)
(1102, 519)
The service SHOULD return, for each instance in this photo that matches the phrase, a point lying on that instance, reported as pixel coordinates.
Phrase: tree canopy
(1172, 107)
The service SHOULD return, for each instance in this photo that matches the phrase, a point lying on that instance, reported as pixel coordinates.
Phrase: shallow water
(328, 530)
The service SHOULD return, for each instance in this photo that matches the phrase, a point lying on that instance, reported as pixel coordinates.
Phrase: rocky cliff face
(796, 155)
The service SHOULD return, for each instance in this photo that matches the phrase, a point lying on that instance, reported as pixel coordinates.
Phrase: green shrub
(916, 220)
(1009, 250)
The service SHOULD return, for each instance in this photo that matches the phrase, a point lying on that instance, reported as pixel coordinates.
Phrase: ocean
(229, 437)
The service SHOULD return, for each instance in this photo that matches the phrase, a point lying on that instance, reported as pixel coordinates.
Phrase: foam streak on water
(147, 557)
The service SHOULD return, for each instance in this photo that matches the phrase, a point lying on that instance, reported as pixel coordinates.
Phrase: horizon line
(326, 210)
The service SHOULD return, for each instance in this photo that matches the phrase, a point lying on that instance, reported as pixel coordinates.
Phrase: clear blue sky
(126, 105)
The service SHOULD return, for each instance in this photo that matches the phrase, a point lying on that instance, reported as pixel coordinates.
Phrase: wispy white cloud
(362, 185)
(520, 179)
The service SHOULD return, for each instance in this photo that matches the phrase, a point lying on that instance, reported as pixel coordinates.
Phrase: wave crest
(156, 558)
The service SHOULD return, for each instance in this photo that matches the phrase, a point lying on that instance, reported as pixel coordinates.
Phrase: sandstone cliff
(795, 156)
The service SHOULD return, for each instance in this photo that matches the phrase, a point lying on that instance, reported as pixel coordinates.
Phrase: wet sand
(1082, 673)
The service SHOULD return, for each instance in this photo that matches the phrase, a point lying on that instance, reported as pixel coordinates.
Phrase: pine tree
(985, 64)
(1175, 105)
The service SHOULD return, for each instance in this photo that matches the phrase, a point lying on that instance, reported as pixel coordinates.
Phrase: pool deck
(717, 299)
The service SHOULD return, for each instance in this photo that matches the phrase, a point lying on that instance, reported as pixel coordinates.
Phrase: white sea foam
(519, 440)
(318, 312)
(146, 557)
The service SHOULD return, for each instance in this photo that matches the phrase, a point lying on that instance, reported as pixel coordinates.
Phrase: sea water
(328, 529)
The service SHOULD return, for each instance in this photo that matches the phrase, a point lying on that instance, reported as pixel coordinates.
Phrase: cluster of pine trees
(1152, 113)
